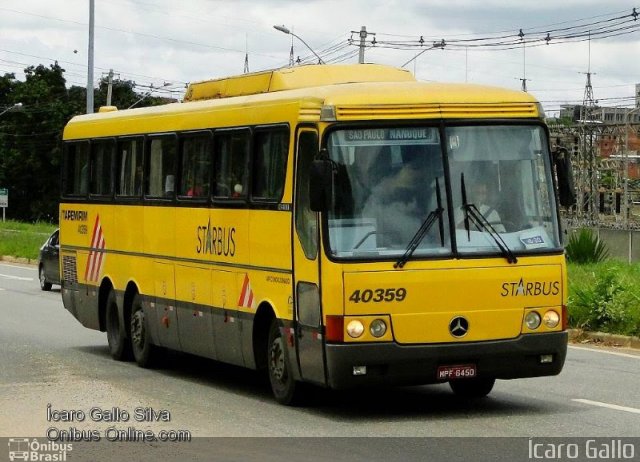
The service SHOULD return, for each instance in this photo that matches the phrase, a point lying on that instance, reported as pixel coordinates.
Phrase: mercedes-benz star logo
(459, 326)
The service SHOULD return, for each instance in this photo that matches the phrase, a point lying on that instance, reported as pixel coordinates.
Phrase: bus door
(308, 312)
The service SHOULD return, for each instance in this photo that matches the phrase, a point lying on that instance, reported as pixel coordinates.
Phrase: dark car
(49, 261)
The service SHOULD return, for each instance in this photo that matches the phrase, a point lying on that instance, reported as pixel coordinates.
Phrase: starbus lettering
(216, 240)
(530, 289)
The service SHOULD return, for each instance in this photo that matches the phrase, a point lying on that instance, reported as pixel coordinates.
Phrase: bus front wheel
(472, 388)
(144, 352)
(119, 346)
(285, 389)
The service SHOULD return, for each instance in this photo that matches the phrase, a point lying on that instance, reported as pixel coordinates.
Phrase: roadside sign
(4, 200)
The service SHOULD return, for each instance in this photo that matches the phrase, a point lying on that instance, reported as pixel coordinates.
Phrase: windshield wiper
(471, 213)
(426, 225)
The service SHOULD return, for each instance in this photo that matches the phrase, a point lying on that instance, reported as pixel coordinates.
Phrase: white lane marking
(27, 268)
(1, 289)
(15, 278)
(608, 406)
(607, 352)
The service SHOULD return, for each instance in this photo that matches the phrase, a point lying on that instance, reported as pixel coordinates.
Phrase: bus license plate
(465, 371)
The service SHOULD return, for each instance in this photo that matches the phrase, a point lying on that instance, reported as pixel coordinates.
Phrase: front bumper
(393, 363)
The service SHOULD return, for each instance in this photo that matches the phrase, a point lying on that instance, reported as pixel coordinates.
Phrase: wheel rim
(137, 329)
(276, 360)
(42, 279)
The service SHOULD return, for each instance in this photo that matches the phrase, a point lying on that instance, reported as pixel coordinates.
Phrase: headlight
(551, 319)
(532, 320)
(355, 329)
(378, 328)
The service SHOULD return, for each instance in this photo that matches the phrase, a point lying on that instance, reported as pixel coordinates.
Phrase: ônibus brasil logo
(34, 450)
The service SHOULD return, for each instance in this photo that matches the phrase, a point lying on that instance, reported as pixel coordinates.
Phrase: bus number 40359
(378, 295)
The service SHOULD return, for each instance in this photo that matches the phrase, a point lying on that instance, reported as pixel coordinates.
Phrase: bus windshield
(386, 186)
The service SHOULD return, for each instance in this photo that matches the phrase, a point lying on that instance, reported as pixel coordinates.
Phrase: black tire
(285, 389)
(44, 285)
(472, 388)
(119, 344)
(144, 352)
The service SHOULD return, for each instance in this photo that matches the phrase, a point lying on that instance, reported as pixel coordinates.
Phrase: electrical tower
(587, 181)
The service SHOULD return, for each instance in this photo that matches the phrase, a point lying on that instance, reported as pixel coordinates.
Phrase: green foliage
(605, 297)
(584, 246)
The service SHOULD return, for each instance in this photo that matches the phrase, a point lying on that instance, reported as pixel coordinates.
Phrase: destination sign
(423, 134)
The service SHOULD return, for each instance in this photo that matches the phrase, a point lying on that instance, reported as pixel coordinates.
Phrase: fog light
(546, 359)
(551, 319)
(359, 370)
(355, 329)
(378, 328)
(532, 320)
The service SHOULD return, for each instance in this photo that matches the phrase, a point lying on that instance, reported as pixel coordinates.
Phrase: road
(48, 358)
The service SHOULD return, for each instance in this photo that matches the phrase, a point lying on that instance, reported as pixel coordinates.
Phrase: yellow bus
(336, 225)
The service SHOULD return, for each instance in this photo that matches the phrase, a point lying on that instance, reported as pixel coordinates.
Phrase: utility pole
(291, 60)
(524, 62)
(90, 63)
(246, 54)
(363, 37)
(110, 85)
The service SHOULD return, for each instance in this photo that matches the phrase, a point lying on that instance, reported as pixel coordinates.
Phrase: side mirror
(320, 185)
(564, 173)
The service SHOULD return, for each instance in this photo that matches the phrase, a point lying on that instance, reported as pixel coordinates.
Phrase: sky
(166, 44)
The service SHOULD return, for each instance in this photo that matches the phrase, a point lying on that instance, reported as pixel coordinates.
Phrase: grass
(605, 297)
(23, 240)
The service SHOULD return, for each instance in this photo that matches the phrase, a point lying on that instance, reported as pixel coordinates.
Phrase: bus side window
(231, 164)
(129, 169)
(102, 154)
(196, 167)
(161, 167)
(269, 164)
(76, 169)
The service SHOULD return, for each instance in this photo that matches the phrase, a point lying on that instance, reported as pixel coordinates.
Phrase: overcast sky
(175, 42)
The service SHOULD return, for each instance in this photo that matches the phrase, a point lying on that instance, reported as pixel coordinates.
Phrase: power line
(595, 30)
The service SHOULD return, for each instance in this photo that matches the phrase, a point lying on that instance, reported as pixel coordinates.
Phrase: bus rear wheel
(144, 352)
(472, 388)
(285, 389)
(119, 346)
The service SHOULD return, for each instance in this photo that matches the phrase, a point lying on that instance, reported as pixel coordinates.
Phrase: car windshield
(386, 181)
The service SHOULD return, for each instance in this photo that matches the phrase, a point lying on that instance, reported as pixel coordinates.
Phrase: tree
(31, 140)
